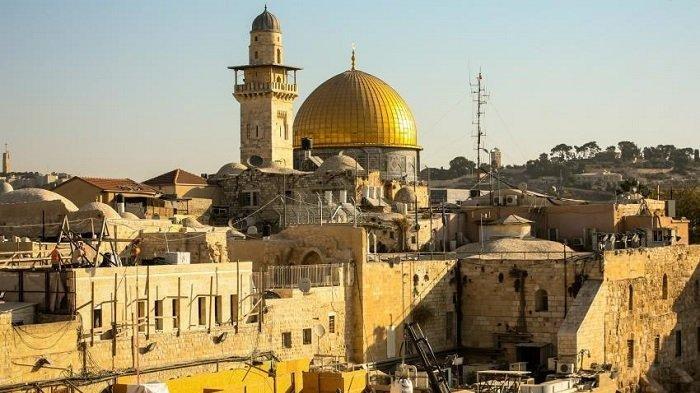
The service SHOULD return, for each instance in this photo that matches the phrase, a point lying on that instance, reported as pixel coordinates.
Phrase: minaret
(6, 161)
(266, 95)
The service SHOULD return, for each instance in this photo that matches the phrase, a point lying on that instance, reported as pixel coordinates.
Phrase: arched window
(541, 300)
(500, 277)
(664, 287)
(256, 38)
(256, 54)
(279, 56)
(630, 302)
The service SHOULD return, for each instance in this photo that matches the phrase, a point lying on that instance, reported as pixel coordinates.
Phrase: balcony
(260, 87)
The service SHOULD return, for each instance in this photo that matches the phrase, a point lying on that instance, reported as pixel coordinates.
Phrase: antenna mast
(478, 90)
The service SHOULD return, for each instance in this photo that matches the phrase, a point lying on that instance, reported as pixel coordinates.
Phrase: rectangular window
(286, 340)
(657, 349)
(331, 324)
(679, 344)
(141, 315)
(657, 235)
(176, 313)
(202, 311)
(234, 309)
(553, 234)
(158, 310)
(630, 353)
(249, 198)
(449, 326)
(218, 317)
(307, 336)
(97, 317)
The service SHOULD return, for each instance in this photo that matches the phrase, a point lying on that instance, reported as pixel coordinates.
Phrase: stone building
(190, 194)
(266, 95)
(581, 224)
(137, 198)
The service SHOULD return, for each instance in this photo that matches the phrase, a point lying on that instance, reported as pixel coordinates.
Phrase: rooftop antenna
(352, 58)
(478, 90)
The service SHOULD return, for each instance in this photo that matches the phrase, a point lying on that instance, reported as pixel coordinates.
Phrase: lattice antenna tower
(478, 91)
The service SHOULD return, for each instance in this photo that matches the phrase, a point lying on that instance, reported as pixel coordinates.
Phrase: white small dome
(106, 210)
(339, 163)
(231, 169)
(5, 187)
(405, 195)
(29, 195)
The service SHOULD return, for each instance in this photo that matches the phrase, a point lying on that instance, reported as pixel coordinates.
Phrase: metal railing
(258, 86)
(279, 277)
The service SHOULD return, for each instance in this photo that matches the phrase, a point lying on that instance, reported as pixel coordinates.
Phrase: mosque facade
(353, 113)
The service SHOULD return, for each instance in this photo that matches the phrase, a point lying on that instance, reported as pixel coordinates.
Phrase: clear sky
(136, 88)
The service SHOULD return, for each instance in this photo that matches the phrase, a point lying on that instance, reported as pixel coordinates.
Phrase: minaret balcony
(262, 87)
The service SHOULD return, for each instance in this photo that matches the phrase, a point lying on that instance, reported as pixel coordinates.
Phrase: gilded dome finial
(352, 58)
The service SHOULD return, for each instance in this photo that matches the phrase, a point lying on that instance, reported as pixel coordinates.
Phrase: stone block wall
(498, 315)
(391, 294)
(651, 325)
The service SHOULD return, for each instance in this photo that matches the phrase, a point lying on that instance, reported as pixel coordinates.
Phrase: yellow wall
(240, 378)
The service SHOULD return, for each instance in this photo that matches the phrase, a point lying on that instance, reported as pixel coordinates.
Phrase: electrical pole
(478, 90)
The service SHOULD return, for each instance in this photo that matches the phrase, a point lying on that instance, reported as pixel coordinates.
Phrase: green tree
(590, 149)
(688, 206)
(561, 151)
(629, 151)
(460, 166)
(681, 159)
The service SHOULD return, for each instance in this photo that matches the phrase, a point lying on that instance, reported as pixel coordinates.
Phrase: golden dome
(355, 109)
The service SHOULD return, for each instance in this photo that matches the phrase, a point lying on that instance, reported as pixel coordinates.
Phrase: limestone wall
(501, 306)
(303, 244)
(22, 346)
(652, 314)
(390, 294)
(583, 328)
(157, 346)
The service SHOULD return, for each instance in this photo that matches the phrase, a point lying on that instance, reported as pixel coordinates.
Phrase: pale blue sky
(136, 88)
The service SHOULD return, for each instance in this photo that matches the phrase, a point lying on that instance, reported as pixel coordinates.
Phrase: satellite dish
(304, 285)
(319, 331)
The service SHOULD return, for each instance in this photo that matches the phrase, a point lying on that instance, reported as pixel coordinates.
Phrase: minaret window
(256, 38)
(279, 56)
(256, 54)
(257, 132)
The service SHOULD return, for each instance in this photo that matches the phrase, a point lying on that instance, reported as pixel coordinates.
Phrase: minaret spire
(352, 58)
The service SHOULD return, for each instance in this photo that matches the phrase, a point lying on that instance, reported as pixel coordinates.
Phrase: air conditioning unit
(565, 368)
(511, 200)
(552, 364)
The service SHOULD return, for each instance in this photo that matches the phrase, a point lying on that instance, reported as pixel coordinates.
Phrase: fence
(279, 277)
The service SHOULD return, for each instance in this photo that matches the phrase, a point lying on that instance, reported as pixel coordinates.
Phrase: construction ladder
(438, 381)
